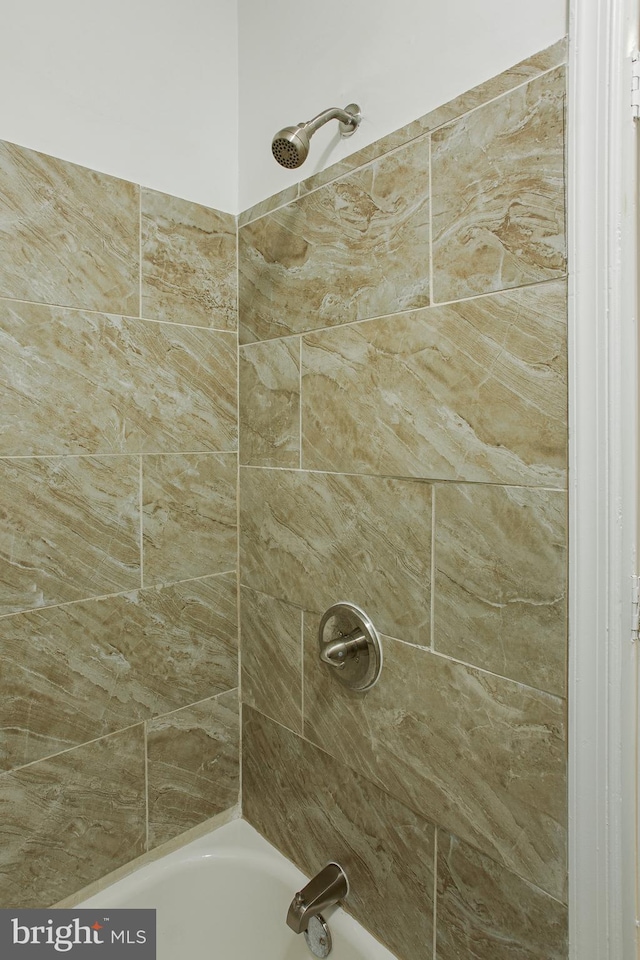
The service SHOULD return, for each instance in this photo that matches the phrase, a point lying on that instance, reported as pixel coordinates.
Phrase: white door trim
(603, 446)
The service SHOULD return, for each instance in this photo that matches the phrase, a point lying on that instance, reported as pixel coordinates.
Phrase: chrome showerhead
(290, 146)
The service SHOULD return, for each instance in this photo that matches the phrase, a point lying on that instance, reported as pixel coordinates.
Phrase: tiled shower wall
(403, 435)
(118, 470)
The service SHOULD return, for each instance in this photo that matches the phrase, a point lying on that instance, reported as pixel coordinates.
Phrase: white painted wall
(141, 89)
(151, 90)
(398, 58)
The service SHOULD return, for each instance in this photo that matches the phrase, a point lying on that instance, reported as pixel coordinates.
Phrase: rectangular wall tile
(68, 235)
(71, 819)
(272, 657)
(77, 672)
(69, 529)
(326, 812)
(500, 587)
(270, 403)
(193, 766)
(188, 262)
(485, 912)
(314, 539)
(498, 193)
(482, 756)
(475, 391)
(90, 383)
(359, 247)
(190, 515)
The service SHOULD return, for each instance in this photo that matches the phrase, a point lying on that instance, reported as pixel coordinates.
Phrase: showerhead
(290, 146)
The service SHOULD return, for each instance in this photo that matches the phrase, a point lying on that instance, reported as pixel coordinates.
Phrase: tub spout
(323, 890)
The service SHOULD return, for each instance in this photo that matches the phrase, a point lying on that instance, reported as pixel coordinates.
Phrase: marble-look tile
(357, 248)
(314, 539)
(79, 382)
(69, 529)
(475, 390)
(269, 375)
(71, 819)
(498, 193)
(527, 69)
(485, 912)
(268, 205)
(77, 672)
(500, 581)
(188, 262)
(316, 809)
(482, 756)
(189, 515)
(68, 235)
(193, 766)
(271, 637)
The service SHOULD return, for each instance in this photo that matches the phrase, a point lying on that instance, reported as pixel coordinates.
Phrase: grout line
(114, 313)
(141, 521)
(150, 588)
(302, 716)
(409, 310)
(100, 456)
(474, 666)
(188, 706)
(75, 746)
(409, 479)
(300, 400)
(240, 753)
(432, 599)
(431, 297)
(140, 250)
(435, 891)
(146, 785)
(238, 530)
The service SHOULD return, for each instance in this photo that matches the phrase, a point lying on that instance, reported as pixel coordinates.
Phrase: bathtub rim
(151, 856)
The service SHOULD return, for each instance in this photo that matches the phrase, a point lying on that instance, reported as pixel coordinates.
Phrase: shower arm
(350, 120)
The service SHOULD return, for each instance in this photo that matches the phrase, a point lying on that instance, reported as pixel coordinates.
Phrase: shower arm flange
(349, 119)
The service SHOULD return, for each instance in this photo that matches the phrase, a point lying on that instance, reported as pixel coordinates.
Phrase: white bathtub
(225, 896)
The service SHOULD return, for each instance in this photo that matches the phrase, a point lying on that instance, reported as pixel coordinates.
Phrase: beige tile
(189, 509)
(68, 820)
(480, 755)
(473, 391)
(269, 376)
(271, 634)
(316, 809)
(487, 913)
(90, 383)
(68, 235)
(82, 670)
(357, 248)
(500, 587)
(498, 193)
(188, 262)
(69, 529)
(193, 766)
(527, 69)
(314, 539)
(267, 205)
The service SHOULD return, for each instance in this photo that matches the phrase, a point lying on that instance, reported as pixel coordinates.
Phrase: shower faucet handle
(349, 643)
(337, 653)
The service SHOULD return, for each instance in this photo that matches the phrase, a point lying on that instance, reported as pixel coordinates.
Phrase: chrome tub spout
(326, 888)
